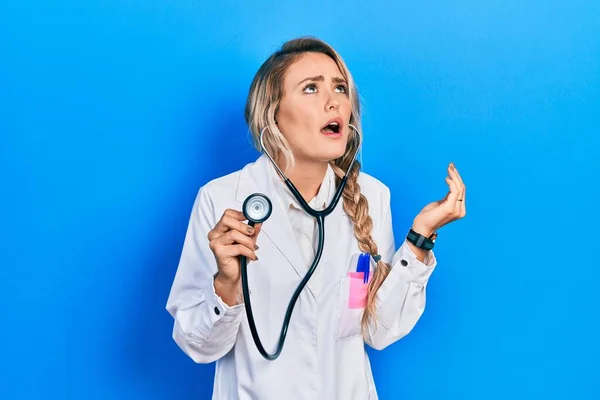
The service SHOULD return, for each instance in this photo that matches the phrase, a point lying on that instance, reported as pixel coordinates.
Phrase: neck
(307, 176)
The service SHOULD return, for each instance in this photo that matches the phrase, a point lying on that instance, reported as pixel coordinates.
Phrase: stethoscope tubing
(320, 217)
(291, 304)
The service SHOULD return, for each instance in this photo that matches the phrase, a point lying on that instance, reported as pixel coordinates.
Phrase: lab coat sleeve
(400, 300)
(205, 328)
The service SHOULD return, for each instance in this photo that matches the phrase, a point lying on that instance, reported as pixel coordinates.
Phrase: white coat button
(404, 263)
(217, 311)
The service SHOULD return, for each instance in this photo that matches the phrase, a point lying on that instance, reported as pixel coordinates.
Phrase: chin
(331, 154)
(328, 151)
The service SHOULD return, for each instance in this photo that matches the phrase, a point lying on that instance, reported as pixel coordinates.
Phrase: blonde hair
(264, 97)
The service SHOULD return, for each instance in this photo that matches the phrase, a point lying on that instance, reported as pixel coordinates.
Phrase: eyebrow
(321, 78)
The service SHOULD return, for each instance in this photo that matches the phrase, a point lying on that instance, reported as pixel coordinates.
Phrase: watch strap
(422, 242)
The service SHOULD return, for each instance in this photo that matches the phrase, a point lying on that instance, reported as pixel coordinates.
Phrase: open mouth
(332, 128)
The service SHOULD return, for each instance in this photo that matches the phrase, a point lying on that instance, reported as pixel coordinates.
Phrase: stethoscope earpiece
(257, 208)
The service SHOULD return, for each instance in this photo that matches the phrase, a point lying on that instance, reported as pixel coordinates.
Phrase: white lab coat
(324, 355)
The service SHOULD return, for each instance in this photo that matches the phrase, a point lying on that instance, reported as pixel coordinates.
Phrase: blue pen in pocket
(363, 266)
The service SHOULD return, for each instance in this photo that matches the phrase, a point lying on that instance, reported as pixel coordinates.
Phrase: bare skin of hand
(229, 239)
(441, 212)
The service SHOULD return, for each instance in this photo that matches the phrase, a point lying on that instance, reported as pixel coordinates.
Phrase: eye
(310, 88)
(343, 88)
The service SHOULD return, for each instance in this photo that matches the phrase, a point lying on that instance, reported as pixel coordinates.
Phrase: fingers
(231, 237)
(456, 204)
(237, 237)
(444, 199)
(457, 191)
(234, 250)
(458, 177)
(257, 229)
(234, 243)
(453, 195)
(462, 192)
(463, 204)
(231, 219)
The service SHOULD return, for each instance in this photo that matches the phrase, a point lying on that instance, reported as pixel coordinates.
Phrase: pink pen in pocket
(358, 290)
(359, 285)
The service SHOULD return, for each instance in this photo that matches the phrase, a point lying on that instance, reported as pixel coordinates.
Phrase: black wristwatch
(422, 242)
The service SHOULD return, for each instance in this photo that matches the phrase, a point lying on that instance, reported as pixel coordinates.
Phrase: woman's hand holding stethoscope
(439, 213)
(230, 239)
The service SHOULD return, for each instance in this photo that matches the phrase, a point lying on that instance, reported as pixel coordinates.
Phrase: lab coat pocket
(353, 299)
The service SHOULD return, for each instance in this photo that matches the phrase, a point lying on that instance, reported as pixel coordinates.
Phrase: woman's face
(315, 98)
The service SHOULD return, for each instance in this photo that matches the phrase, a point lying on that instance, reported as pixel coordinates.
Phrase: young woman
(303, 108)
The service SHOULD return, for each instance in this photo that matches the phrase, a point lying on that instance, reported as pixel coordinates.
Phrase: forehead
(312, 64)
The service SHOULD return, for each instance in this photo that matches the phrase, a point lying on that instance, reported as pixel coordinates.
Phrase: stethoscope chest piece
(257, 208)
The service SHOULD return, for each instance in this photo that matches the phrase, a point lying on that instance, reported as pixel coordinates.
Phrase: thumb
(445, 198)
(257, 229)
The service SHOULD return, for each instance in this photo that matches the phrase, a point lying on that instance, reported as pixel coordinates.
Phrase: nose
(332, 102)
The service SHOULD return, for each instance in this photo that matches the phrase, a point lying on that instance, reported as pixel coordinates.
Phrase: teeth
(333, 127)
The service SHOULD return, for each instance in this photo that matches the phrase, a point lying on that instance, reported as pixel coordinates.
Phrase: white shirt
(304, 225)
(324, 355)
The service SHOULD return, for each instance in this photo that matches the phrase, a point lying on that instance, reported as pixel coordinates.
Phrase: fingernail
(256, 247)
(250, 229)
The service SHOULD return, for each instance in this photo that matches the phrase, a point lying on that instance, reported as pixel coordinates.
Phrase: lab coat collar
(257, 178)
(319, 202)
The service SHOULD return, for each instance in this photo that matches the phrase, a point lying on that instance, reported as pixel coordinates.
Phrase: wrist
(422, 230)
(421, 237)
(226, 290)
(222, 281)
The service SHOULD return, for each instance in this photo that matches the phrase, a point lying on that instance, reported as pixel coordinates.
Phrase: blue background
(114, 113)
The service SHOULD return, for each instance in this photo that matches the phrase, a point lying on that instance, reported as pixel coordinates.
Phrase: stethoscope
(257, 208)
